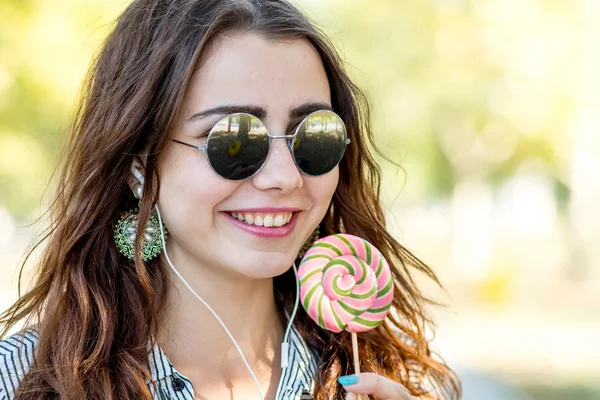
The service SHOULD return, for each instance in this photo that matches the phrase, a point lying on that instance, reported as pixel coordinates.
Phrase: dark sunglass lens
(320, 143)
(238, 146)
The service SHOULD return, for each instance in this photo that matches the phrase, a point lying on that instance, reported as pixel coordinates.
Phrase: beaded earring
(127, 227)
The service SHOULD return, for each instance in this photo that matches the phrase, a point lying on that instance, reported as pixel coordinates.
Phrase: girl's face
(196, 204)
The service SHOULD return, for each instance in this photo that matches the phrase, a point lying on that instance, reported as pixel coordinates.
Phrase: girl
(234, 128)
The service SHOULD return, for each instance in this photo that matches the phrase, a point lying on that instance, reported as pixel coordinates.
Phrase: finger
(380, 386)
(351, 396)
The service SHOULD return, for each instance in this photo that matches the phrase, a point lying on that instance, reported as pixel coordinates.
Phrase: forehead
(249, 69)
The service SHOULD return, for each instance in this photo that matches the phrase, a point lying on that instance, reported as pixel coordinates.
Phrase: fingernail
(348, 380)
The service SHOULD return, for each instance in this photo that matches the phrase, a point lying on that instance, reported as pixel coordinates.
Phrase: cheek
(322, 188)
(189, 191)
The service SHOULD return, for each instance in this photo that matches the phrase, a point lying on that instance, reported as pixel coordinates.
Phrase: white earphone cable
(285, 346)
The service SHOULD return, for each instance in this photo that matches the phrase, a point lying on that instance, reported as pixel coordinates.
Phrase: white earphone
(284, 346)
(135, 170)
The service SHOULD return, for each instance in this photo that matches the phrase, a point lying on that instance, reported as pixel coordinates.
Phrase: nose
(279, 171)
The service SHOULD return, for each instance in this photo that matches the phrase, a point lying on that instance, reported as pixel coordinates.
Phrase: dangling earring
(309, 242)
(126, 230)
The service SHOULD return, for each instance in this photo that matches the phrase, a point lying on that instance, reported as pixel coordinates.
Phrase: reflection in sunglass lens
(320, 143)
(238, 146)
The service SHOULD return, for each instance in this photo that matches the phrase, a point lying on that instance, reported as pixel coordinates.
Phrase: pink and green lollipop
(345, 284)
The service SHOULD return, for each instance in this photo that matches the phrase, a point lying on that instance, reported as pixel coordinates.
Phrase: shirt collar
(300, 373)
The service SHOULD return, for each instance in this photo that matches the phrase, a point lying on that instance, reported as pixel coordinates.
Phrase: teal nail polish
(348, 380)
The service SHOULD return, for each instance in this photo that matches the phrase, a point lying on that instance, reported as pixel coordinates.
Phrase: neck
(195, 341)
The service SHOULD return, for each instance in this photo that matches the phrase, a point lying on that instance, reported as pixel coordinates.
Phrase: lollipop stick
(356, 359)
(355, 350)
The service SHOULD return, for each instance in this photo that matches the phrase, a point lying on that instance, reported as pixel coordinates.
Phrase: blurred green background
(490, 106)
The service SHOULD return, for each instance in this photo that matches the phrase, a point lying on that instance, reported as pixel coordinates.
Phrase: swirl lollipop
(346, 284)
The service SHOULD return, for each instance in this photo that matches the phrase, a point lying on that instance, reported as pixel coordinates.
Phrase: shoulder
(17, 353)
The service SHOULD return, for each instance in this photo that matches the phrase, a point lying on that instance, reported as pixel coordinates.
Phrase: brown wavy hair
(95, 310)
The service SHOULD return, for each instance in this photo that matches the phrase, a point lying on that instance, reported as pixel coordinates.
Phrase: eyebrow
(259, 111)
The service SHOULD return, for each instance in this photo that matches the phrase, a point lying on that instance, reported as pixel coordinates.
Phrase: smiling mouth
(268, 220)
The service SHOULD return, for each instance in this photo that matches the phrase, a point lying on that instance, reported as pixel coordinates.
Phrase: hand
(377, 385)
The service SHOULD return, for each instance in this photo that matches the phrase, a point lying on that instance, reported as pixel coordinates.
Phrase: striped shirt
(17, 352)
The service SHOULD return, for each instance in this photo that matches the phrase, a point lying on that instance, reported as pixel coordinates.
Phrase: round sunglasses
(238, 145)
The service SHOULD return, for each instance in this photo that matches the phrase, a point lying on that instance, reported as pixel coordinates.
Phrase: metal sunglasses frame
(290, 140)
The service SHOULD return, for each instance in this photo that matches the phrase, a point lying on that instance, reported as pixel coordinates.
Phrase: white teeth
(267, 220)
(278, 220)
